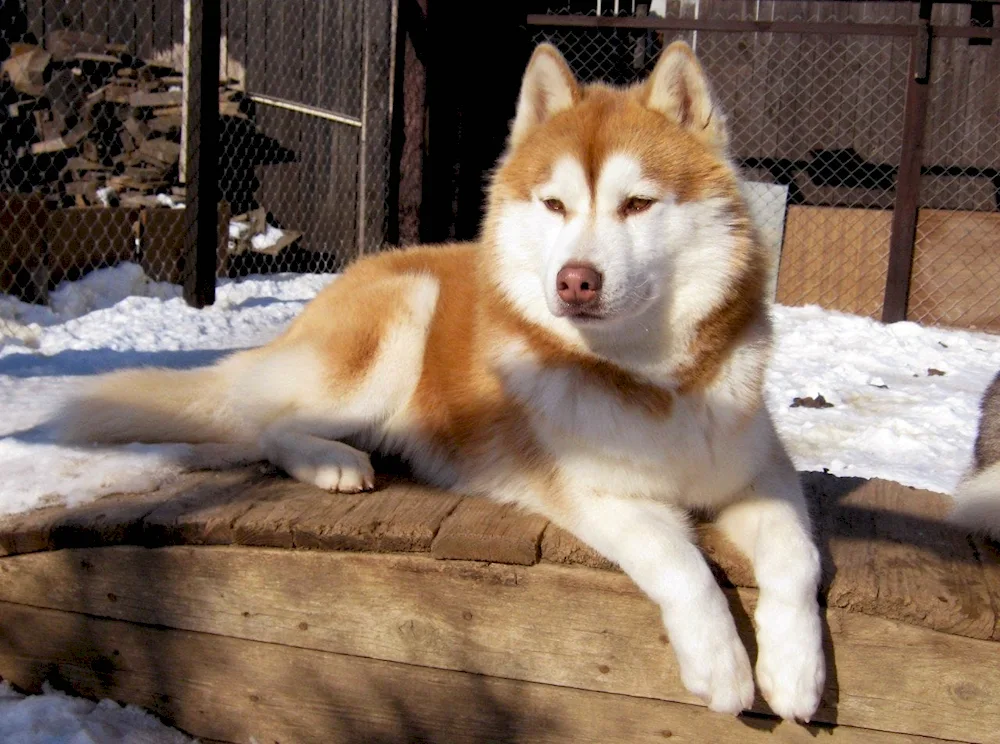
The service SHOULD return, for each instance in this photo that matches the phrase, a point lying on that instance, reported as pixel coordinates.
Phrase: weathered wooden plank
(112, 520)
(989, 555)
(23, 222)
(848, 557)
(572, 627)
(915, 568)
(142, 42)
(887, 552)
(400, 518)
(954, 279)
(333, 82)
(373, 163)
(886, 549)
(292, 510)
(206, 513)
(338, 76)
(836, 258)
(163, 30)
(232, 690)
(480, 529)
(560, 546)
(235, 28)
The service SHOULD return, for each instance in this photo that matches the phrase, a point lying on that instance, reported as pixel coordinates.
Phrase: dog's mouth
(581, 313)
(598, 313)
(585, 315)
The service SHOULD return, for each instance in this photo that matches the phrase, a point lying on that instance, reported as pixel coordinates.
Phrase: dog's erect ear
(678, 89)
(548, 87)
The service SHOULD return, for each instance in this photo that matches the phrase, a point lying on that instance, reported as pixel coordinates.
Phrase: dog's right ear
(547, 88)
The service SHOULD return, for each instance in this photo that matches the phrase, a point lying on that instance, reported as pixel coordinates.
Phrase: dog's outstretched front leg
(771, 526)
(652, 544)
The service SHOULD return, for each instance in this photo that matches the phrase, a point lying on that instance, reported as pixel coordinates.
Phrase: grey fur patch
(987, 451)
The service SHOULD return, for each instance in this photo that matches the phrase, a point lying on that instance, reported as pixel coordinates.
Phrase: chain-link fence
(816, 95)
(825, 115)
(94, 123)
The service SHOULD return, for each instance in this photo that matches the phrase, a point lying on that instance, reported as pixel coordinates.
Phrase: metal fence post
(202, 28)
(906, 207)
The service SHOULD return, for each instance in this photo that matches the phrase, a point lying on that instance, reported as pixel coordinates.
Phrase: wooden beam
(200, 165)
(886, 549)
(904, 214)
(482, 530)
(376, 125)
(570, 627)
(226, 689)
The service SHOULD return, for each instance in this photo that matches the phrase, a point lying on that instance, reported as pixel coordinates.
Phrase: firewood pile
(88, 124)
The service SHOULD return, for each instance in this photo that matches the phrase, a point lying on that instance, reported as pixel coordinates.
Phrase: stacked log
(103, 126)
(89, 132)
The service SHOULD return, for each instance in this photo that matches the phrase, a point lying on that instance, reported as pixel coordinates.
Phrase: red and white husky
(597, 357)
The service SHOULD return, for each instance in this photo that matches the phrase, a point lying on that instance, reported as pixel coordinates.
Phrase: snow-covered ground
(904, 404)
(904, 398)
(55, 718)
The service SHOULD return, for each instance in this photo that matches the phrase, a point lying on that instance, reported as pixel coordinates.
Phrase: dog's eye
(554, 205)
(635, 205)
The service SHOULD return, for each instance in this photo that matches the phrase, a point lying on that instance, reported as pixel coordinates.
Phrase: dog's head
(613, 204)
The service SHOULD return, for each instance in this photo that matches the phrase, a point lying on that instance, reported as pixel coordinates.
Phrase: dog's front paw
(791, 670)
(345, 477)
(333, 467)
(713, 661)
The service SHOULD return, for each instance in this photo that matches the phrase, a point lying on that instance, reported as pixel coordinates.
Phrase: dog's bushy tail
(977, 502)
(152, 405)
(977, 498)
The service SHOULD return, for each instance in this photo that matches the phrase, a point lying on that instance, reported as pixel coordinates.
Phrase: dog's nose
(578, 284)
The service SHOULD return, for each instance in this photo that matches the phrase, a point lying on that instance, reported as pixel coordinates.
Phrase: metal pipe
(301, 108)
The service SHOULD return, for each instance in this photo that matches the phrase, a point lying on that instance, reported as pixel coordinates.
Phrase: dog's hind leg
(344, 381)
(770, 525)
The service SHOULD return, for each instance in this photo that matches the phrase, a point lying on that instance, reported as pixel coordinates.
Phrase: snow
(110, 319)
(894, 415)
(55, 718)
(905, 398)
(169, 201)
(268, 239)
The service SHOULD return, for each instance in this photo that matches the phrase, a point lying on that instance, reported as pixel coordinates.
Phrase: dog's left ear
(678, 88)
(548, 87)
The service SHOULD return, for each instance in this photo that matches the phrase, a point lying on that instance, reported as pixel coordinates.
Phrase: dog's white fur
(618, 474)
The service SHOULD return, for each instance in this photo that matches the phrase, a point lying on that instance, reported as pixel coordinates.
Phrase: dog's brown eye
(635, 205)
(554, 205)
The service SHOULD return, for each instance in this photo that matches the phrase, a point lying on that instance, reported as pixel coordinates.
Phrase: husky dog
(598, 357)
(977, 498)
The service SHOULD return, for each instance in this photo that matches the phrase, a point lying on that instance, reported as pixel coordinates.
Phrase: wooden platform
(241, 604)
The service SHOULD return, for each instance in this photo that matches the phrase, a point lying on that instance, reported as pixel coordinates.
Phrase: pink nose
(578, 284)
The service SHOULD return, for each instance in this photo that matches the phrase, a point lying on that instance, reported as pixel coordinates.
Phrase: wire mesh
(816, 126)
(956, 259)
(92, 164)
(92, 170)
